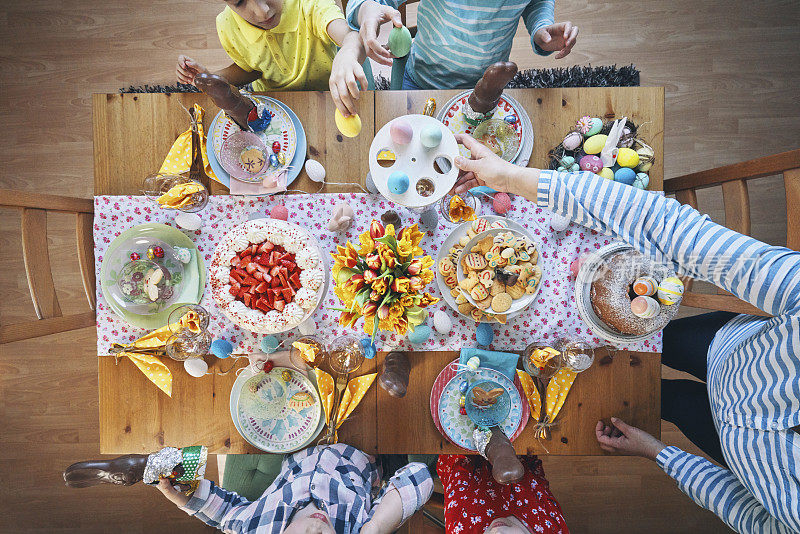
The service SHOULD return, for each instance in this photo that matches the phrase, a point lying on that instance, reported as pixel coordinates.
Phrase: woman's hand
(621, 438)
(561, 36)
(484, 168)
(171, 493)
(371, 15)
(187, 69)
(345, 72)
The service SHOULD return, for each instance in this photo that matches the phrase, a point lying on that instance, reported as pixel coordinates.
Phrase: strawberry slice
(242, 292)
(247, 259)
(279, 304)
(263, 306)
(250, 268)
(267, 278)
(289, 265)
(258, 275)
(263, 268)
(262, 259)
(275, 282)
(282, 276)
(294, 280)
(288, 294)
(261, 288)
(232, 279)
(274, 271)
(251, 290)
(266, 246)
(249, 281)
(253, 250)
(235, 261)
(247, 299)
(234, 291)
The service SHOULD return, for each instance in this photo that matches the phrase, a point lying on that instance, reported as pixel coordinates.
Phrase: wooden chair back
(733, 180)
(34, 208)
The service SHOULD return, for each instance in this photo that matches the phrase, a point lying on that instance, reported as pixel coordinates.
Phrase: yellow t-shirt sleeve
(227, 28)
(322, 12)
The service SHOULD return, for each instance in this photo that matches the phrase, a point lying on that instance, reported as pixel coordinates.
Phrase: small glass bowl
(183, 346)
(552, 367)
(202, 314)
(499, 136)
(237, 144)
(158, 184)
(576, 355)
(488, 416)
(299, 362)
(345, 355)
(469, 199)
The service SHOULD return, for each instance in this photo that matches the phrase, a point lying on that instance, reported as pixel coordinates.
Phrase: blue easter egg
(642, 180)
(510, 119)
(420, 334)
(484, 334)
(625, 176)
(567, 161)
(221, 348)
(398, 182)
(269, 344)
(463, 387)
(430, 137)
(369, 348)
(274, 161)
(596, 126)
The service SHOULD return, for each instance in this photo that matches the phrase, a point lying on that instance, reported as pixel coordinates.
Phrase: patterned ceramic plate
(277, 416)
(453, 118)
(458, 428)
(281, 129)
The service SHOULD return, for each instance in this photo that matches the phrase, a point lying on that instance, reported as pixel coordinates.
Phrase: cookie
(514, 269)
(461, 298)
(533, 282)
(523, 255)
(501, 303)
(446, 266)
(501, 318)
(464, 240)
(498, 224)
(486, 277)
(455, 292)
(480, 225)
(478, 293)
(468, 283)
(450, 280)
(533, 253)
(465, 308)
(475, 261)
(516, 291)
(485, 244)
(485, 303)
(497, 288)
(477, 315)
(508, 252)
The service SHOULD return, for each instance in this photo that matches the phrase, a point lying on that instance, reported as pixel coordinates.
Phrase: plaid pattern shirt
(339, 479)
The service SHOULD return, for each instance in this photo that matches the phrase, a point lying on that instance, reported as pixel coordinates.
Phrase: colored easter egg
(558, 222)
(670, 290)
(430, 136)
(274, 161)
(397, 182)
(567, 161)
(572, 140)
(501, 203)
(196, 367)
(400, 41)
(594, 144)
(420, 334)
(279, 212)
(473, 363)
(369, 348)
(625, 176)
(591, 163)
(184, 255)
(510, 119)
(606, 173)
(315, 170)
(349, 126)
(627, 157)
(442, 322)
(189, 221)
(135, 256)
(645, 286)
(401, 132)
(269, 344)
(574, 168)
(276, 147)
(463, 387)
(595, 125)
(646, 158)
(641, 181)
(221, 348)
(645, 307)
(484, 334)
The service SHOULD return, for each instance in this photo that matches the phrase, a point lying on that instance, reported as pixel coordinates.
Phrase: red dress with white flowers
(472, 498)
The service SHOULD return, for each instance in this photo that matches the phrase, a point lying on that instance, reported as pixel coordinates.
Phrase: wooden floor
(732, 73)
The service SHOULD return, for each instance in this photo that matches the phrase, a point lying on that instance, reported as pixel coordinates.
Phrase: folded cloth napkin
(179, 158)
(531, 393)
(179, 195)
(504, 362)
(351, 396)
(152, 366)
(272, 183)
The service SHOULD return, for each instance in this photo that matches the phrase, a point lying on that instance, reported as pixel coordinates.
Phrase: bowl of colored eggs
(581, 148)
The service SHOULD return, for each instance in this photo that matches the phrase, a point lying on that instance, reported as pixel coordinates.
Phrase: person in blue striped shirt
(457, 39)
(752, 364)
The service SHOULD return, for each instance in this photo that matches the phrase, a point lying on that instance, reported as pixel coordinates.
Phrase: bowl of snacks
(499, 271)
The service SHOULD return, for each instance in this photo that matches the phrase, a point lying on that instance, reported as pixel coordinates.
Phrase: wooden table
(133, 133)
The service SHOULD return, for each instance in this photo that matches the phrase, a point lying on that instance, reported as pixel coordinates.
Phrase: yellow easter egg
(594, 144)
(606, 173)
(349, 126)
(670, 290)
(627, 158)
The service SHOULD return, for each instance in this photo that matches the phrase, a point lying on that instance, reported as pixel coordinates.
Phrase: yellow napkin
(152, 366)
(557, 391)
(179, 195)
(353, 394)
(179, 159)
(534, 401)
(325, 387)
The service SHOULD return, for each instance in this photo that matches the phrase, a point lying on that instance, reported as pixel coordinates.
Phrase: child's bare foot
(187, 69)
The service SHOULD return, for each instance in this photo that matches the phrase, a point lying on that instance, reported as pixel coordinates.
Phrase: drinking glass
(576, 355)
(156, 185)
(553, 365)
(297, 359)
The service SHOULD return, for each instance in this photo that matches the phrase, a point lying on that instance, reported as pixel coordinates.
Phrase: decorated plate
(458, 428)
(274, 415)
(453, 117)
(281, 129)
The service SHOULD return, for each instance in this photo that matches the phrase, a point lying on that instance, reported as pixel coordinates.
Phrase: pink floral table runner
(553, 316)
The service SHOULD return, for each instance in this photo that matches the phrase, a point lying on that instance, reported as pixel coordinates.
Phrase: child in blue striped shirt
(457, 39)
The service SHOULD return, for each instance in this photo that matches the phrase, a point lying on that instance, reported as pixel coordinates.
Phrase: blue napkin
(503, 362)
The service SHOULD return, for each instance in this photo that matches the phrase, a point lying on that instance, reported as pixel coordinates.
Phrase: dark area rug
(577, 76)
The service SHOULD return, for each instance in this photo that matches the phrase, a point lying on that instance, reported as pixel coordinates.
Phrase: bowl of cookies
(499, 272)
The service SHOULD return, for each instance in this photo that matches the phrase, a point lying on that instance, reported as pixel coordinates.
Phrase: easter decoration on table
(341, 217)
(411, 161)
(348, 126)
(189, 221)
(383, 281)
(612, 150)
(399, 41)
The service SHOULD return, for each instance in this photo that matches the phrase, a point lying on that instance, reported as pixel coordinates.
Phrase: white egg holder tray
(416, 161)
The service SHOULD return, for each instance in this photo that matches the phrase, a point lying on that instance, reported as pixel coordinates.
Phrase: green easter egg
(400, 41)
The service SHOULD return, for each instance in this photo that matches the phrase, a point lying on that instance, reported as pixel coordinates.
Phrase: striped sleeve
(214, 506)
(537, 15)
(719, 491)
(766, 276)
(351, 13)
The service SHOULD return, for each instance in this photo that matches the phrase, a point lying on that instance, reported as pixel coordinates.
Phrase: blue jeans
(685, 402)
(408, 83)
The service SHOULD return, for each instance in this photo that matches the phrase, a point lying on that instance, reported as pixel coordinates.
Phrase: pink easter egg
(501, 203)
(279, 212)
(401, 131)
(591, 164)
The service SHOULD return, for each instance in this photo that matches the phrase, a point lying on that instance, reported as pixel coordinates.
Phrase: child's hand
(171, 493)
(370, 17)
(560, 36)
(188, 68)
(485, 167)
(346, 70)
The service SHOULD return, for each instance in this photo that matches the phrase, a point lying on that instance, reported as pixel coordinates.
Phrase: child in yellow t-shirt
(280, 45)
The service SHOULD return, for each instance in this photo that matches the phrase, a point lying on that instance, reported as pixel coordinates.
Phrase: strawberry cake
(267, 275)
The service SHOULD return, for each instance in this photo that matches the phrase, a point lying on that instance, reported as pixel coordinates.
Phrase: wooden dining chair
(34, 208)
(736, 199)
